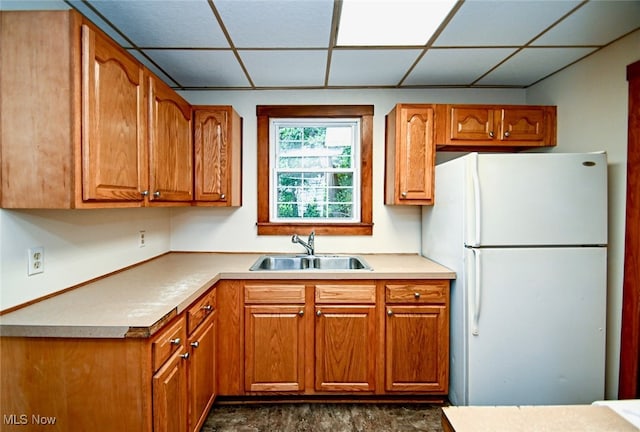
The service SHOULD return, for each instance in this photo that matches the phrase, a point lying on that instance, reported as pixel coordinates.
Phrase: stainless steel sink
(309, 262)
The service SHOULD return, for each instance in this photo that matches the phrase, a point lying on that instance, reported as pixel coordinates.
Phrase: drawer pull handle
(319, 313)
(207, 308)
(175, 341)
(416, 295)
(507, 134)
(195, 344)
(185, 356)
(390, 312)
(491, 134)
(301, 313)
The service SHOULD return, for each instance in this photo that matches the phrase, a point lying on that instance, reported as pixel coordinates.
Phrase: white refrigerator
(526, 235)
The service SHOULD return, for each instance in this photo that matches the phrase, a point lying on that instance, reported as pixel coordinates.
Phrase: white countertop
(133, 302)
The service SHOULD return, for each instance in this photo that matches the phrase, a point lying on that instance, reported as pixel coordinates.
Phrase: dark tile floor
(321, 417)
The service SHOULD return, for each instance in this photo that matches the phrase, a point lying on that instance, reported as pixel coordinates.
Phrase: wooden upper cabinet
(170, 145)
(495, 127)
(410, 155)
(218, 156)
(114, 160)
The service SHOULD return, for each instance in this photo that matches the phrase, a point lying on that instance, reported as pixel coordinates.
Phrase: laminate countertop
(137, 301)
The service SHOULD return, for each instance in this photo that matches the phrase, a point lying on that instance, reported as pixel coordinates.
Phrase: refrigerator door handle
(477, 207)
(476, 286)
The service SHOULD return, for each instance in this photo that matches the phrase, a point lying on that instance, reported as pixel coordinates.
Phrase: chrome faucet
(308, 245)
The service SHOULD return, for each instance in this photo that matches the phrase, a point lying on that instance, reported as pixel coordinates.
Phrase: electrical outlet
(36, 260)
(141, 240)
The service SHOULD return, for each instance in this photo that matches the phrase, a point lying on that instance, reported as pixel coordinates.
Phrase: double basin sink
(310, 262)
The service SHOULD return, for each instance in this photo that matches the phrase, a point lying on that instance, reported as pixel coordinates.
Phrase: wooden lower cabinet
(314, 338)
(201, 372)
(345, 340)
(170, 394)
(165, 382)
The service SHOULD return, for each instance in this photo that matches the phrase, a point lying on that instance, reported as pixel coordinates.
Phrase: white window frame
(355, 125)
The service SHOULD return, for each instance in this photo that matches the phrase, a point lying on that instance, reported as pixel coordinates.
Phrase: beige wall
(592, 115)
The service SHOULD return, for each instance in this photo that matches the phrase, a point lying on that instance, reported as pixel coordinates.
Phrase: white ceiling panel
(200, 68)
(443, 66)
(510, 23)
(286, 43)
(370, 67)
(277, 24)
(595, 23)
(165, 24)
(286, 68)
(532, 64)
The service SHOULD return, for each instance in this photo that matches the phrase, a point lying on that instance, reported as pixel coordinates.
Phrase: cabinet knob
(175, 341)
(389, 312)
(416, 295)
(207, 308)
(156, 194)
(507, 134)
(222, 196)
(491, 134)
(404, 194)
(144, 193)
(185, 355)
(195, 344)
(301, 313)
(318, 313)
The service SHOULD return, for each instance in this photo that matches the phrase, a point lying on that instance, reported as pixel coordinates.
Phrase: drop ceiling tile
(200, 68)
(98, 21)
(163, 23)
(277, 24)
(456, 66)
(595, 23)
(33, 5)
(152, 67)
(370, 67)
(533, 64)
(269, 68)
(501, 23)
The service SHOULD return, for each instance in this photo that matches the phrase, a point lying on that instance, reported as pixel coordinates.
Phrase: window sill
(269, 228)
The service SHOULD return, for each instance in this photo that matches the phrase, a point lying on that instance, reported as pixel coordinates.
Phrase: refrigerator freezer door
(536, 199)
(537, 330)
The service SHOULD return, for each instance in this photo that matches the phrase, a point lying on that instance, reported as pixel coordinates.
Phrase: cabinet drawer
(346, 294)
(432, 292)
(200, 310)
(168, 342)
(269, 294)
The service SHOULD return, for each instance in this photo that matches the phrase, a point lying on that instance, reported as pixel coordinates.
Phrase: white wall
(396, 228)
(592, 100)
(79, 245)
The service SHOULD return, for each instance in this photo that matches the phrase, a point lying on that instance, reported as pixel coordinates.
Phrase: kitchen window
(314, 169)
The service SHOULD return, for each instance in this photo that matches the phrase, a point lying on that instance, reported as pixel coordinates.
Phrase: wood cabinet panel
(274, 293)
(345, 339)
(494, 127)
(170, 145)
(167, 342)
(230, 345)
(410, 155)
(170, 395)
(114, 160)
(201, 372)
(345, 293)
(200, 310)
(274, 348)
(417, 349)
(432, 292)
(218, 156)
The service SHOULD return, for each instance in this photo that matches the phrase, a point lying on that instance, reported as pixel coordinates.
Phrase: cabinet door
(522, 124)
(218, 156)
(170, 145)
(114, 166)
(274, 348)
(416, 155)
(417, 349)
(472, 123)
(202, 378)
(345, 348)
(170, 395)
